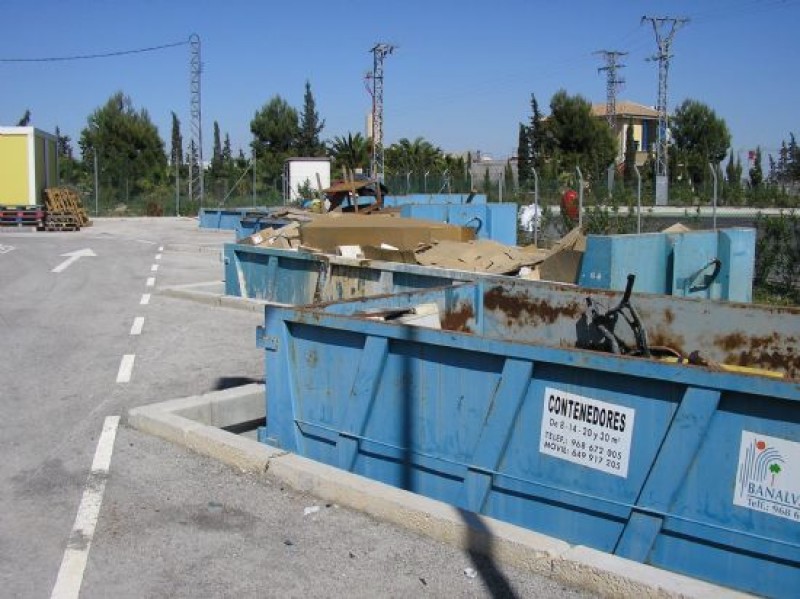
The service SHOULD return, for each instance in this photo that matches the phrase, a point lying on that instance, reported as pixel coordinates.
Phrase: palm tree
(418, 156)
(351, 152)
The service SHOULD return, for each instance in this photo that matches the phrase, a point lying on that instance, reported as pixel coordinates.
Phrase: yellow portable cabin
(28, 164)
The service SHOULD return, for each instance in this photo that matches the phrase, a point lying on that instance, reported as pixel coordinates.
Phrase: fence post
(177, 183)
(536, 203)
(714, 202)
(500, 188)
(638, 199)
(96, 185)
(580, 195)
(254, 177)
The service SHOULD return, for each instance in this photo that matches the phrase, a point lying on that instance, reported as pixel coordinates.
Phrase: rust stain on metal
(456, 320)
(523, 310)
(771, 352)
(730, 342)
(660, 338)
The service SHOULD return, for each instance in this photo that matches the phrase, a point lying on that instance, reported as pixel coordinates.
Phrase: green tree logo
(775, 469)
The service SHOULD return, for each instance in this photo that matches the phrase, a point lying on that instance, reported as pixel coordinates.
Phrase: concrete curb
(193, 422)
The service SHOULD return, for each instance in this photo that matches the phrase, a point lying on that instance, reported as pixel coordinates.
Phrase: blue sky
(461, 76)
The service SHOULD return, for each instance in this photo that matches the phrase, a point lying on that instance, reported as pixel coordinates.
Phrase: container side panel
(14, 186)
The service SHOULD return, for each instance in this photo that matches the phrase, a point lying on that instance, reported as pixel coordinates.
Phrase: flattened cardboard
(353, 229)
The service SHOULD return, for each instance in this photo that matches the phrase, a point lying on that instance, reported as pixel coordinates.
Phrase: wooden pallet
(63, 200)
(20, 223)
(20, 216)
(60, 221)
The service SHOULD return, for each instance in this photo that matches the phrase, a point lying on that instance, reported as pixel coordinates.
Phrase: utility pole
(665, 29)
(379, 52)
(613, 82)
(196, 184)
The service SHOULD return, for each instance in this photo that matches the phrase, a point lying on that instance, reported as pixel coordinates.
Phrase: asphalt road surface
(84, 336)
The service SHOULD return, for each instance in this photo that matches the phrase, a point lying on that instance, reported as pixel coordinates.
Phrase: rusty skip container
(290, 277)
(505, 411)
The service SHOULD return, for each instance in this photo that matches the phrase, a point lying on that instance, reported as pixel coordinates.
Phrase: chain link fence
(623, 207)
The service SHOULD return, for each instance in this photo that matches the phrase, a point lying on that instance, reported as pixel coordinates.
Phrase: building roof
(627, 109)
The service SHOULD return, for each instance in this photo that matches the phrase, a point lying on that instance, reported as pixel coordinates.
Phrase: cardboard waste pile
(390, 238)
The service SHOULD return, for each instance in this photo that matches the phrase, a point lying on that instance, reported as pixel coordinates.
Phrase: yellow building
(28, 164)
(643, 119)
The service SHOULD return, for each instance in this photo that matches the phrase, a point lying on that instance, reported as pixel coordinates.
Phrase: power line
(98, 55)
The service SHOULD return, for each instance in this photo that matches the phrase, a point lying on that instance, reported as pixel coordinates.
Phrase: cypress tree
(524, 173)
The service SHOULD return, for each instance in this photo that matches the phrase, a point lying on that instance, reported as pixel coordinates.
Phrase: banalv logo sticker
(768, 476)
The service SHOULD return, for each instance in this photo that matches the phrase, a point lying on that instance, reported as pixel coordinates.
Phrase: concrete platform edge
(192, 293)
(576, 566)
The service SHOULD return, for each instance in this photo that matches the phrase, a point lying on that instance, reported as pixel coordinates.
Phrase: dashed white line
(138, 324)
(151, 281)
(161, 248)
(73, 565)
(158, 256)
(145, 299)
(126, 368)
(154, 268)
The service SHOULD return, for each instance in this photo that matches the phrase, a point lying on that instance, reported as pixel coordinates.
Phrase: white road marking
(125, 368)
(4, 249)
(150, 281)
(154, 268)
(73, 257)
(161, 248)
(145, 299)
(146, 241)
(73, 565)
(158, 256)
(138, 324)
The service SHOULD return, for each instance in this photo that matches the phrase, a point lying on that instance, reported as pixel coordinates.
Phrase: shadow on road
(228, 382)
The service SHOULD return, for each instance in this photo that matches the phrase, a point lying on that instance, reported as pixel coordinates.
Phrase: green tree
(417, 156)
(733, 179)
(508, 177)
(756, 172)
(350, 152)
(176, 151)
(308, 142)
(730, 169)
(227, 153)
(538, 142)
(25, 120)
(216, 154)
(524, 174)
(130, 152)
(69, 169)
(275, 129)
(630, 154)
(701, 137)
(793, 159)
(579, 138)
(487, 183)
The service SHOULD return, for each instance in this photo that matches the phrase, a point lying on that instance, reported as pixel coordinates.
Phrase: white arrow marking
(73, 257)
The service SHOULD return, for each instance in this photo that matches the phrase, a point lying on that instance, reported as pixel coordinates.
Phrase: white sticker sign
(768, 476)
(587, 431)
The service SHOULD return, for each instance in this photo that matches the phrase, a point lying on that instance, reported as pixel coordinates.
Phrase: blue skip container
(503, 408)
